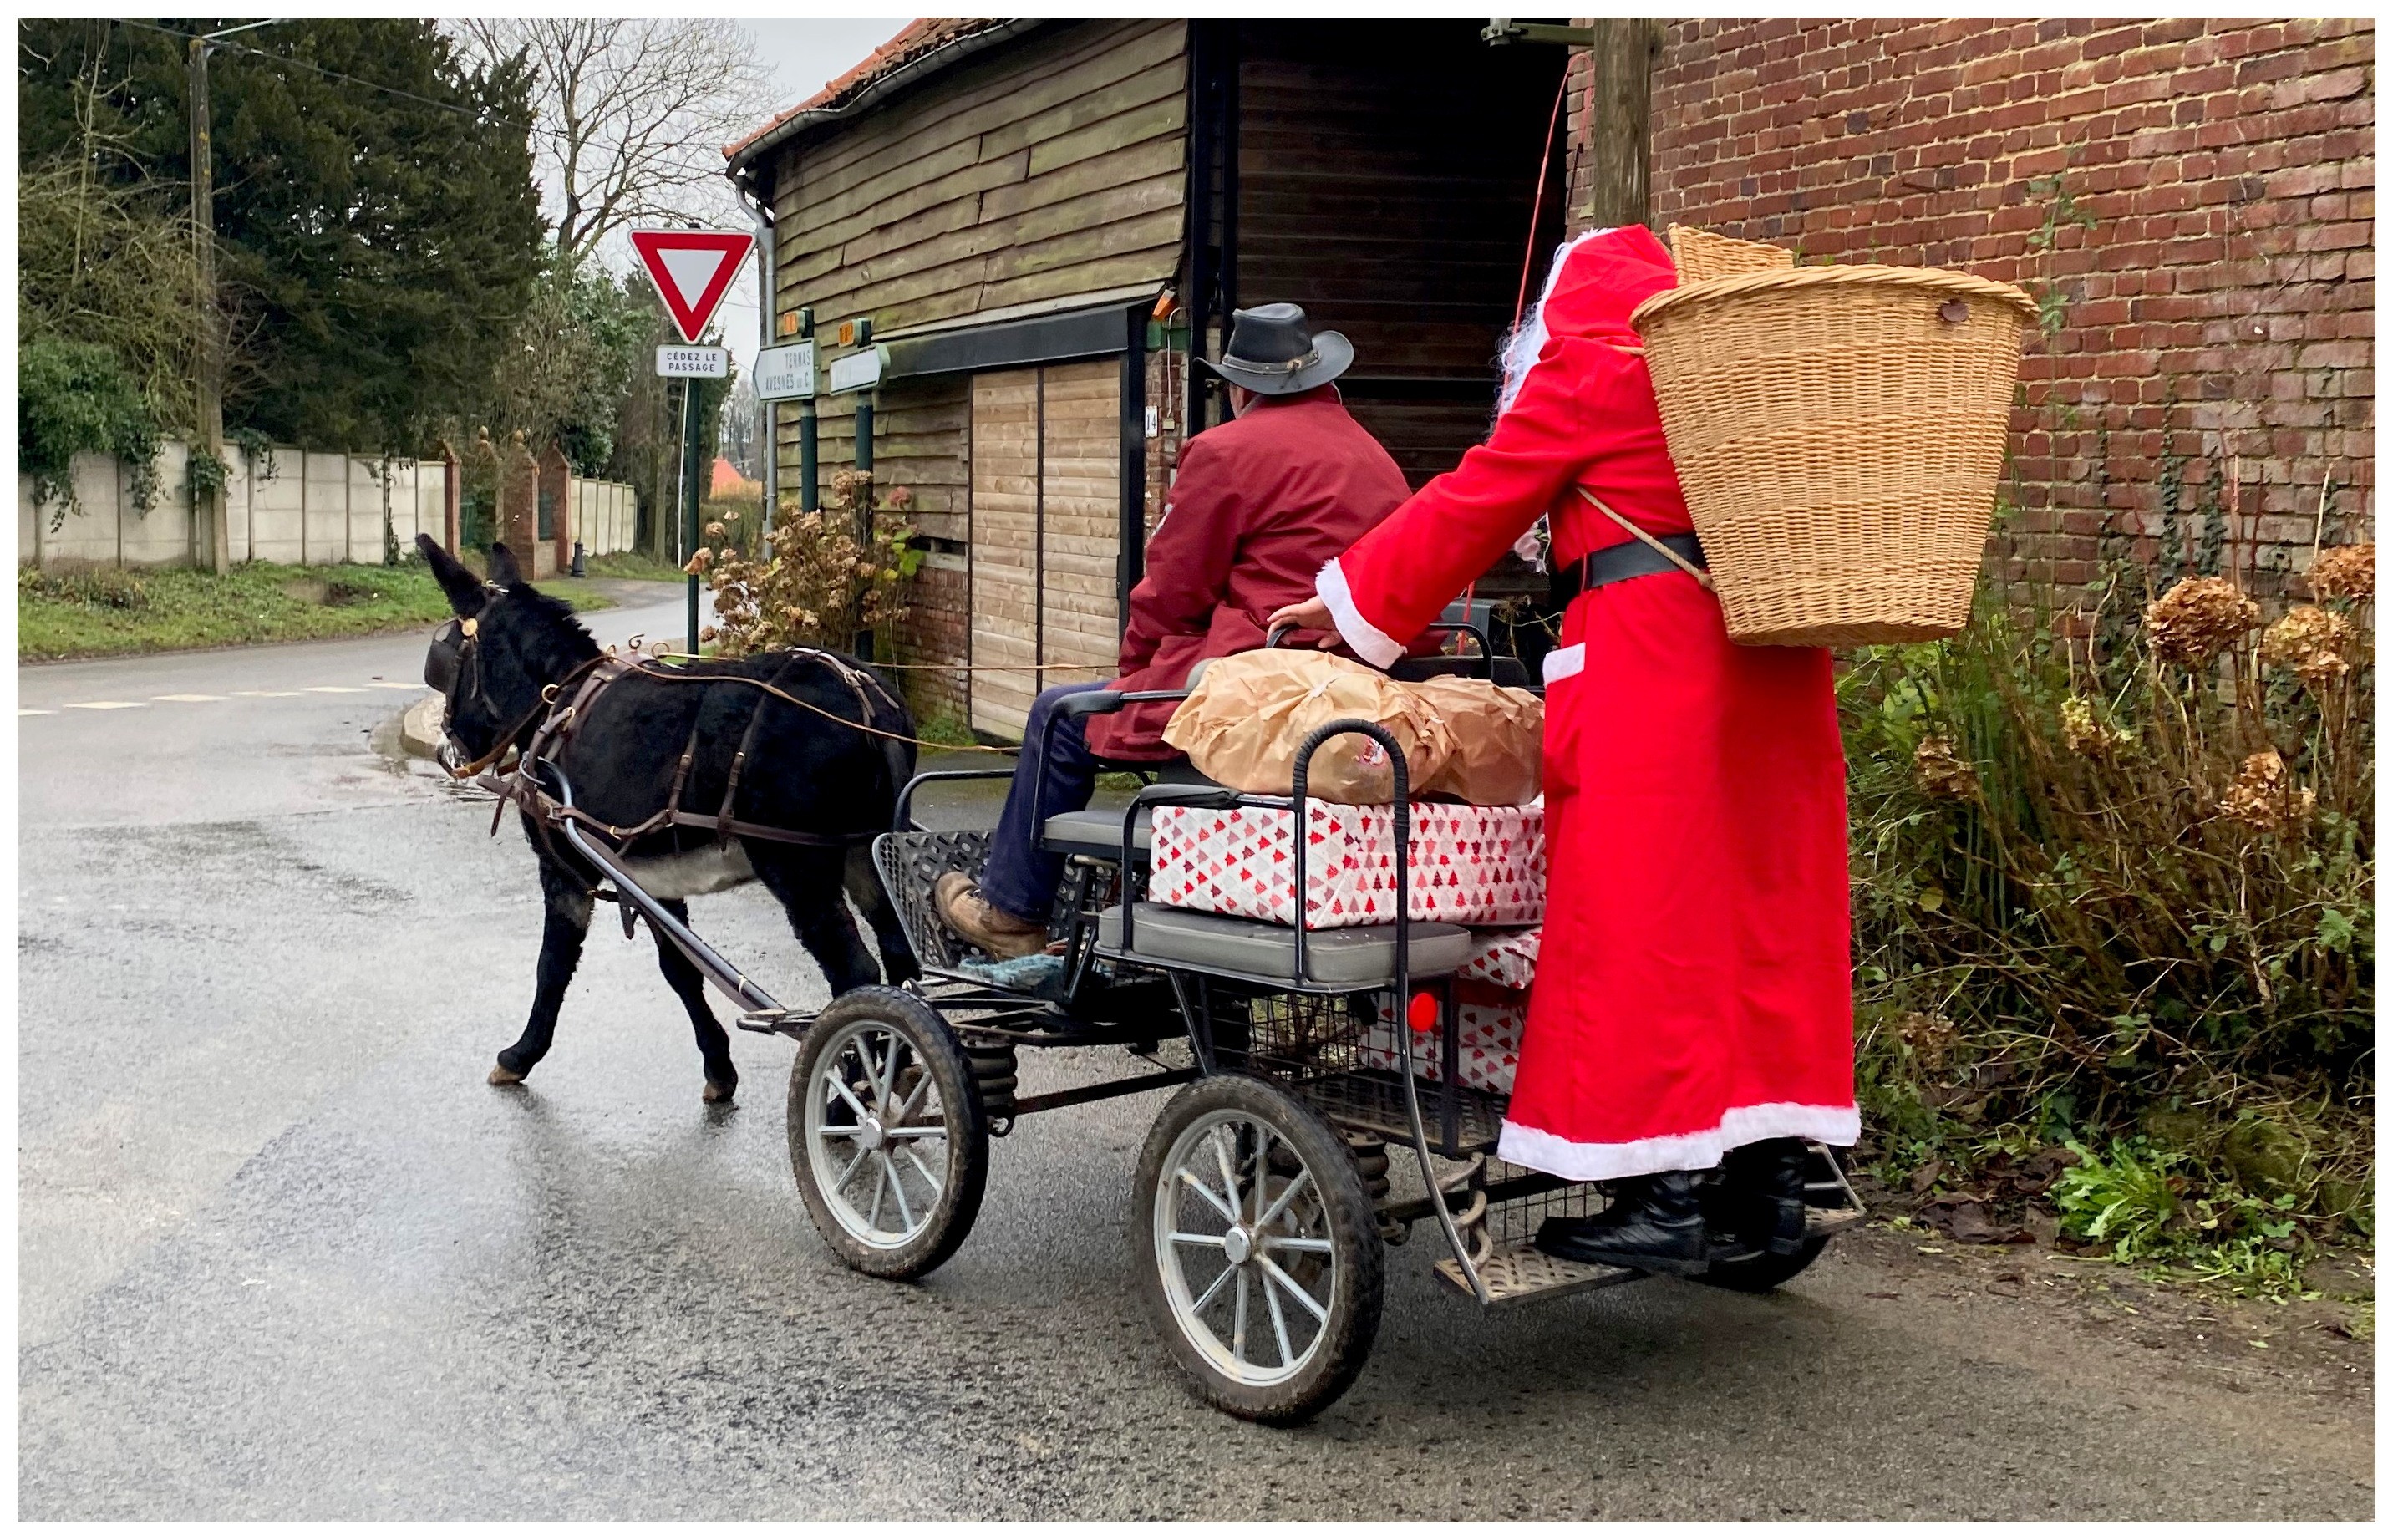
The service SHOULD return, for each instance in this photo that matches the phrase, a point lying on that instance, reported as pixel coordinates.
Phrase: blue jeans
(1057, 774)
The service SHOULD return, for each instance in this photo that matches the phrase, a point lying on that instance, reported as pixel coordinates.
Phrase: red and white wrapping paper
(1487, 1041)
(1505, 958)
(1471, 866)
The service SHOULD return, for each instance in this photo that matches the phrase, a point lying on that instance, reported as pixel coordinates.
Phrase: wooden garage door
(1046, 541)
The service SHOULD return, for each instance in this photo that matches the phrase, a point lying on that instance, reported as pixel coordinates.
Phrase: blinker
(440, 664)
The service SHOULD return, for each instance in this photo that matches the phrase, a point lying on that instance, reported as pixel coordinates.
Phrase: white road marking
(26, 711)
(393, 684)
(187, 698)
(105, 705)
(334, 689)
(265, 692)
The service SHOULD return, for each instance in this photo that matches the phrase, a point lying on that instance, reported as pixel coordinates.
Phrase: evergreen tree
(378, 227)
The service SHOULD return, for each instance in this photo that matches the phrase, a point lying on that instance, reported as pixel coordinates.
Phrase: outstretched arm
(1396, 579)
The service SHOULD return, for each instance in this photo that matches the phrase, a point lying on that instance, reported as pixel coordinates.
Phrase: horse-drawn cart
(1267, 1197)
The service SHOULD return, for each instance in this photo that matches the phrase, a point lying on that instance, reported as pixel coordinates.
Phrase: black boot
(1654, 1225)
(1761, 1189)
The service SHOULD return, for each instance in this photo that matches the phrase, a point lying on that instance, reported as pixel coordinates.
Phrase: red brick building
(2190, 200)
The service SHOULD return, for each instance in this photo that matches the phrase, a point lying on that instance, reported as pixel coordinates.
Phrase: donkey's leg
(863, 881)
(560, 953)
(807, 881)
(713, 1043)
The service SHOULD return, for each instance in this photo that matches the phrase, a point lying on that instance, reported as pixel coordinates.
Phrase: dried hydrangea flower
(1941, 773)
(2192, 623)
(2344, 572)
(2313, 643)
(2263, 798)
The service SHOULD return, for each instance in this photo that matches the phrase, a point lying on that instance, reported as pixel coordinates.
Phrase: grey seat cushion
(1362, 956)
(1092, 832)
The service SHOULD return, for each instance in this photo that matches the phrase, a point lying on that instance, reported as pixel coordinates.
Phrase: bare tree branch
(631, 114)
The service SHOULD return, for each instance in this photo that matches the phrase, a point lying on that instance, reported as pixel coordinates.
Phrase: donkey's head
(507, 643)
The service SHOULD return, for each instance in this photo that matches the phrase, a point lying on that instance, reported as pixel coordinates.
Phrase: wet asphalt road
(283, 1254)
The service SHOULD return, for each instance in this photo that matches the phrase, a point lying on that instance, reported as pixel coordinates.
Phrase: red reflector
(1422, 1013)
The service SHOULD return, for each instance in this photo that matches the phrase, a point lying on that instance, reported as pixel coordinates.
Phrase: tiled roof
(923, 35)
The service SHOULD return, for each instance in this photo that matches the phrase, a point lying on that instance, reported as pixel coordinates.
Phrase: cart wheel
(1259, 1252)
(887, 1135)
(1761, 1272)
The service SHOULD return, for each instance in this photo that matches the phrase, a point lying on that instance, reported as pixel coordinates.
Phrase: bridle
(456, 652)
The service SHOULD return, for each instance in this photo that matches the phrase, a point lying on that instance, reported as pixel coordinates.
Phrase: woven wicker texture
(1838, 433)
(1699, 254)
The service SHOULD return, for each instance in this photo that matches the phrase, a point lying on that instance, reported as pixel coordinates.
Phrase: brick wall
(2195, 196)
(935, 630)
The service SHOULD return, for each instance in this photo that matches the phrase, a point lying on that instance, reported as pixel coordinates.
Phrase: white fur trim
(1541, 1151)
(1563, 662)
(1520, 350)
(1371, 643)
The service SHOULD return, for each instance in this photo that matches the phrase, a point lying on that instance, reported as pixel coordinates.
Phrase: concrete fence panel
(324, 511)
(278, 530)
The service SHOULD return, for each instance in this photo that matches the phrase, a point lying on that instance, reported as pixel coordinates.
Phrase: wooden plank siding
(1046, 490)
(1048, 168)
(1385, 179)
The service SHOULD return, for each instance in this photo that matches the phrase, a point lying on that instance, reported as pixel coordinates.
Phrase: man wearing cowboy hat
(1257, 505)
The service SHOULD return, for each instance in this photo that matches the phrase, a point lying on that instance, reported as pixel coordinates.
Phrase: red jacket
(1260, 504)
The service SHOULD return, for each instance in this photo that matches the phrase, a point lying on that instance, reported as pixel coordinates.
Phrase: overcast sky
(803, 56)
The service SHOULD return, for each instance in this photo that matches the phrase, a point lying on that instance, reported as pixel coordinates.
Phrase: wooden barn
(1042, 221)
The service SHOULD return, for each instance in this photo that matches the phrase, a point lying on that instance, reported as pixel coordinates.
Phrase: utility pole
(210, 424)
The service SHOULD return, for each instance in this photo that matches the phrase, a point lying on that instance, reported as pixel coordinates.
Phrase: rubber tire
(1760, 1274)
(967, 1175)
(1360, 1262)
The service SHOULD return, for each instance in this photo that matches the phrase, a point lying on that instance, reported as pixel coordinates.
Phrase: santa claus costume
(1694, 989)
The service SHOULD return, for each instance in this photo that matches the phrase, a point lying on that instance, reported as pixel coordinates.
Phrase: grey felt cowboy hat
(1274, 351)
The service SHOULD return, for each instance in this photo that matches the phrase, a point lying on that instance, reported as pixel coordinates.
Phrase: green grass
(104, 613)
(633, 564)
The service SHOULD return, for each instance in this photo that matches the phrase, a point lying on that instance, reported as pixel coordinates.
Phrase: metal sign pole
(689, 490)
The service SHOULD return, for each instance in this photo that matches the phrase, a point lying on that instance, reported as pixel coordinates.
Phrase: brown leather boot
(973, 917)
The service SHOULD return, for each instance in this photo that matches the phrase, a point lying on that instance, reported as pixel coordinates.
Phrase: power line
(331, 74)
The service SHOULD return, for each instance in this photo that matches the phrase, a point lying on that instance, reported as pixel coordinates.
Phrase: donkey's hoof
(501, 1075)
(718, 1092)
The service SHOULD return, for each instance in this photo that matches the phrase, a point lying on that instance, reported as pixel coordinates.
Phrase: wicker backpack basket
(1838, 433)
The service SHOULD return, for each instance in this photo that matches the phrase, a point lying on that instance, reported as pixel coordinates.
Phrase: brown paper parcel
(1244, 722)
(1495, 736)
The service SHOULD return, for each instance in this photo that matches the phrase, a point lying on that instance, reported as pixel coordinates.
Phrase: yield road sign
(692, 271)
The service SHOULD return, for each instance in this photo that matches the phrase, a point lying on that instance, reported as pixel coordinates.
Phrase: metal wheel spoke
(1185, 1239)
(1271, 1269)
(906, 1108)
(1229, 1173)
(880, 1183)
(1297, 1243)
(932, 1130)
(862, 1155)
(927, 1177)
(1279, 1203)
(1279, 1323)
(898, 1187)
(1228, 1214)
(1238, 1329)
(887, 1072)
(840, 1085)
(1212, 1289)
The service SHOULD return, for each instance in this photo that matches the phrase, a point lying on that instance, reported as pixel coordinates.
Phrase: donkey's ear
(464, 589)
(503, 571)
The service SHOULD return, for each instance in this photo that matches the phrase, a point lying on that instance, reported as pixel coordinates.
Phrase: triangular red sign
(692, 271)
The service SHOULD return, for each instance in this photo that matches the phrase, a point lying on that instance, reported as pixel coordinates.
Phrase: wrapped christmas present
(1469, 866)
(1495, 742)
(1487, 1040)
(1505, 958)
(1251, 711)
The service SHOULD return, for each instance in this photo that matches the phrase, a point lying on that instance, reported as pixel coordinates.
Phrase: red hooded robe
(1694, 984)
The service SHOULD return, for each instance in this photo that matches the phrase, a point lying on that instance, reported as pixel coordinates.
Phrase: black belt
(1631, 558)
